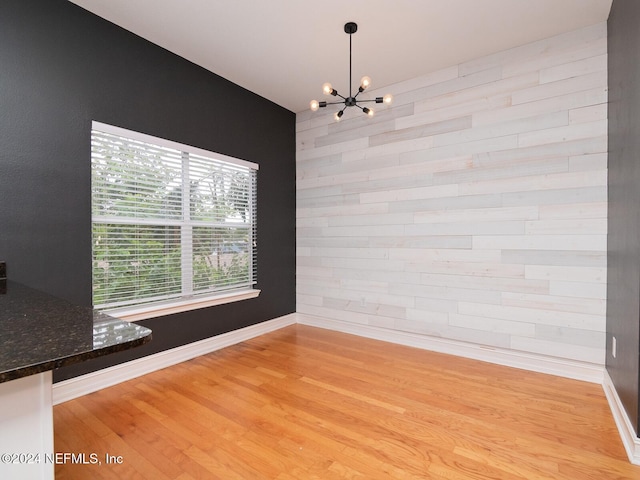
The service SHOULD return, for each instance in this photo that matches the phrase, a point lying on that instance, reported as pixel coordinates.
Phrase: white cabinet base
(26, 428)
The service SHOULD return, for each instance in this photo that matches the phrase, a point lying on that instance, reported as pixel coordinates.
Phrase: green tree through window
(168, 221)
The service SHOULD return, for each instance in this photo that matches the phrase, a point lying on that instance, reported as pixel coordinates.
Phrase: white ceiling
(284, 50)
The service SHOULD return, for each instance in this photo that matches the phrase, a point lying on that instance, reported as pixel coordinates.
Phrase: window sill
(143, 312)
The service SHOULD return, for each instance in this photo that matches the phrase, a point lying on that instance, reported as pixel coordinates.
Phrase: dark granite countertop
(39, 332)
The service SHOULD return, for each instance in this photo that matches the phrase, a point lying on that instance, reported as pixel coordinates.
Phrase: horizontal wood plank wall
(472, 209)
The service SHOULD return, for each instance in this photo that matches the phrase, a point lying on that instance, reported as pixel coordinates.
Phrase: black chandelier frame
(352, 100)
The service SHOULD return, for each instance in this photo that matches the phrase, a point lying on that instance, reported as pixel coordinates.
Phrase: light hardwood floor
(308, 403)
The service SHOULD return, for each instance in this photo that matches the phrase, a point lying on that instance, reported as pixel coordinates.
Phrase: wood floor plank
(307, 403)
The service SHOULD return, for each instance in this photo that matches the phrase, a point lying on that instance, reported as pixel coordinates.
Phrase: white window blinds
(169, 221)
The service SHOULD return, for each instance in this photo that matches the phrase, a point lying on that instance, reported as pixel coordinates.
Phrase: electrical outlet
(614, 346)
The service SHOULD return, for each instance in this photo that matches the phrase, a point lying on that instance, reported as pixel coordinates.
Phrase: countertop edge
(72, 359)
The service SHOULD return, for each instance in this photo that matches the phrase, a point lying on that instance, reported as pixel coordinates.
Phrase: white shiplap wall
(472, 209)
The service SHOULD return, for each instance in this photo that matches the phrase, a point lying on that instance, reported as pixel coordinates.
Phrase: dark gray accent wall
(62, 67)
(623, 272)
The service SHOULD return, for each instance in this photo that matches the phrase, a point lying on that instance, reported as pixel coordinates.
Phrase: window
(173, 226)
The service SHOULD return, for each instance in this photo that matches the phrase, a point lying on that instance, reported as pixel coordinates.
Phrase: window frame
(196, 300)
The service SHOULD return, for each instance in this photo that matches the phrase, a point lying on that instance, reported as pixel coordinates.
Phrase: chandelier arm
(359, 92)
(334, 103)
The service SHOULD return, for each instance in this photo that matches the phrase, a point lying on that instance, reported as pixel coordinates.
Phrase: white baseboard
(627, 433)
(91, 382)
(584, 371)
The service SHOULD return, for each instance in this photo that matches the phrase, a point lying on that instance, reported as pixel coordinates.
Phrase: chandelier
(351, 100)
